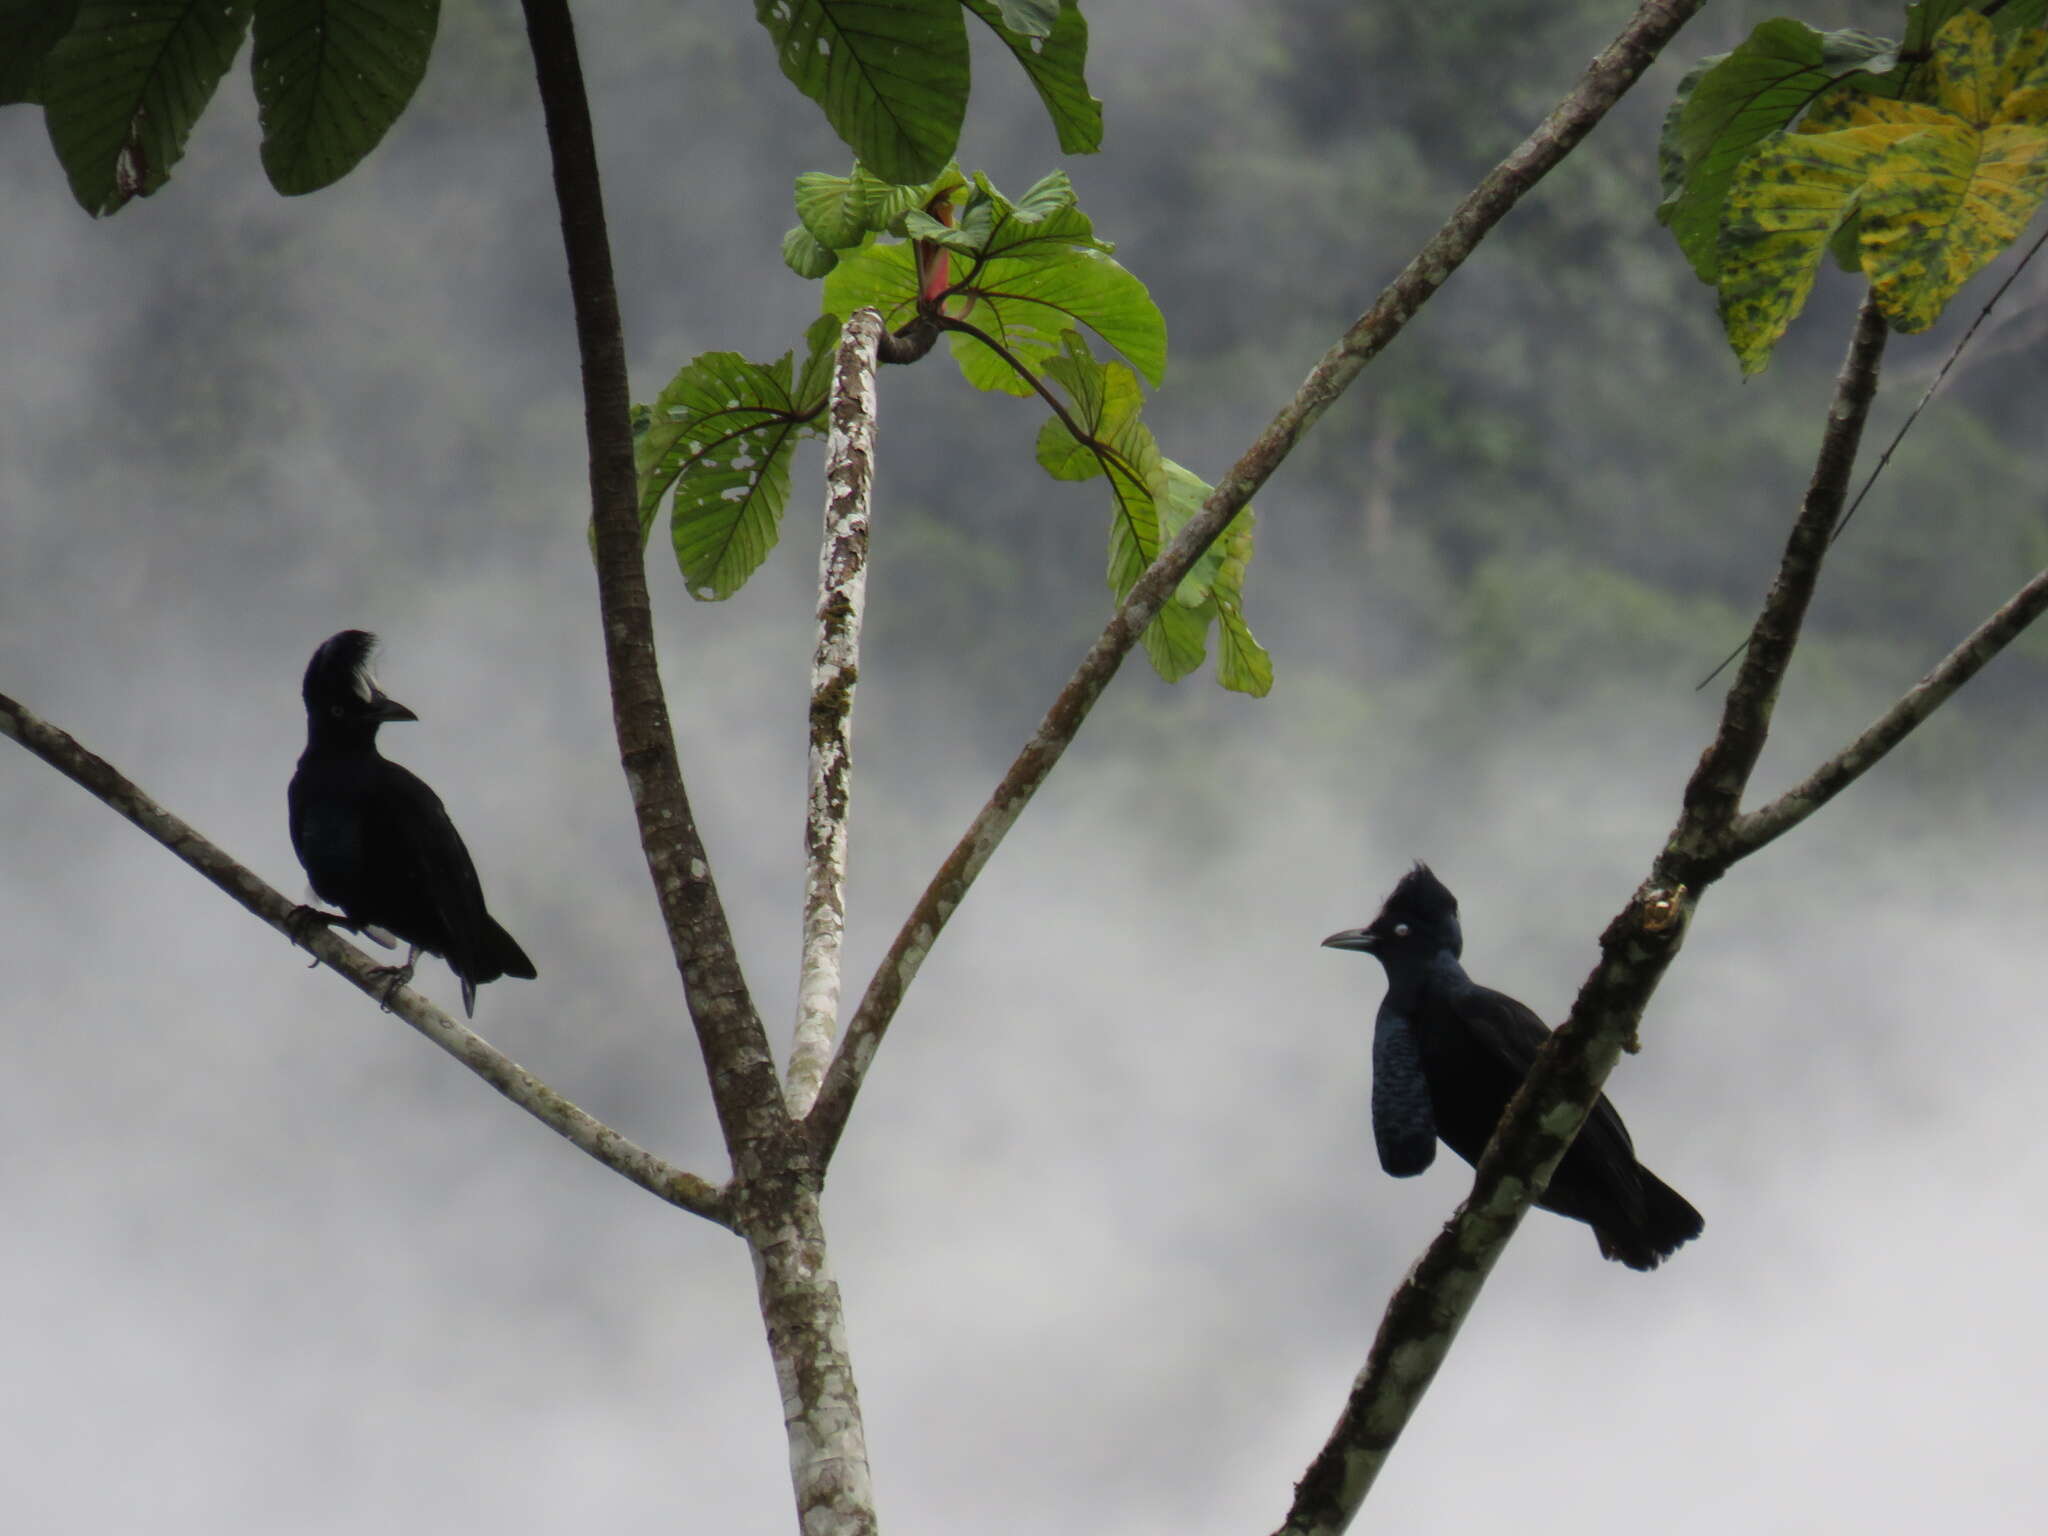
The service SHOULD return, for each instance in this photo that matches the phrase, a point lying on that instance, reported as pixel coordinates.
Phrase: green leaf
(332, 76)
(1732, 102)
(29, 29)
(124, 86)
(1034, 18)
(1242, 664)
(1022, 273)
(922, 226)
(802, 254)
(1153, 499)
(1214, 585)
(1037, 278)
(815, 378)
(719, 438)
(891, 76)
(841, 211)
(875, 276)
(1055, 62)
(1043, 198)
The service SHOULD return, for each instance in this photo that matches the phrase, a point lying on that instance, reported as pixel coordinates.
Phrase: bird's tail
(496, 953)
(503, 954)
(1668, 1222)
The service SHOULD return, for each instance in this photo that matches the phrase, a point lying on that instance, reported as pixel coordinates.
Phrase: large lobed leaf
(123, 87)
(332, 76)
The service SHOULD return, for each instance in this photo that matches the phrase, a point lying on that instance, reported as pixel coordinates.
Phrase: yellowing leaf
(1937, 188)
(1933, 217)
(1784, 205)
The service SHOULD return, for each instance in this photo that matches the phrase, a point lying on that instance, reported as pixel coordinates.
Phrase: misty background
(1107, 1217)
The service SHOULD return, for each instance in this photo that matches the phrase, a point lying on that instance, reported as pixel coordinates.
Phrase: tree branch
(1715, 790)
(835, 669)
(1756, 828)
(1604, 83)
(737, 1059)
(773, 1197)
(1540, 1122)
(100, 779)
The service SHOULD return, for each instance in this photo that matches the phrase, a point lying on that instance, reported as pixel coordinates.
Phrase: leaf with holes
(717, 441)
(1053, 51)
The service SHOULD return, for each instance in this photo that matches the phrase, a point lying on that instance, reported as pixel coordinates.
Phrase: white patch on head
(366, 685)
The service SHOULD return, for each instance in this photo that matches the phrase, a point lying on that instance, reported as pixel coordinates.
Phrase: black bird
(374, 838)
(1448, 1054)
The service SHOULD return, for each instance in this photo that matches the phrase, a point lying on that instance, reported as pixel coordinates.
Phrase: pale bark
(835, 669)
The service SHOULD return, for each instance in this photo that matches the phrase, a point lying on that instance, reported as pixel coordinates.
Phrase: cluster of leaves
(122, 82)
(1916, 162)
(1013, 286)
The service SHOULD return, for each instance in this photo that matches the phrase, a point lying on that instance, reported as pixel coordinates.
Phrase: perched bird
(374, 838)
(1448, 1054)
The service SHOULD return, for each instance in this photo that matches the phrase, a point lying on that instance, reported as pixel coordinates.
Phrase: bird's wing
(1403, 1126)
(1516, 1035)
(411, 821)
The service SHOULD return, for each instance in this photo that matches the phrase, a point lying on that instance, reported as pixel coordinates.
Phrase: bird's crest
(343, 662)
(1420, 891)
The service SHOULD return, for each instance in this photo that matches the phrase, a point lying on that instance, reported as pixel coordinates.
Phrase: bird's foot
(396, 976)
(300, 923)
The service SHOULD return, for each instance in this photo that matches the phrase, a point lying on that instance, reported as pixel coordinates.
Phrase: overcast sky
(1107, 1218)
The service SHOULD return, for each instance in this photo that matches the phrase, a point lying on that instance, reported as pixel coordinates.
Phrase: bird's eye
(337, 710)
(1400, 930)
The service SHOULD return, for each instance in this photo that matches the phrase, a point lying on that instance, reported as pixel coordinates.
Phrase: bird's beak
(1363, 939)
(388, 709)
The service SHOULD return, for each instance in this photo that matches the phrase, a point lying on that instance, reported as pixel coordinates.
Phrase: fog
(1107, 1217)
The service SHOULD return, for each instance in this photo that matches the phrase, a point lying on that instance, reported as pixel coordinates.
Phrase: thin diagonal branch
(737, 1059)
(1430, 1306)
(835, 669)
(1756, 828)
(105, 783)
(1604, 82)
(1715, 790)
